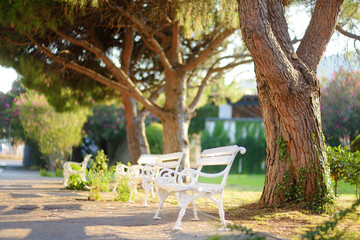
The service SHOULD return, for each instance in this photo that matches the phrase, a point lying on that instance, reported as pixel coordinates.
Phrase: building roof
(247, 107)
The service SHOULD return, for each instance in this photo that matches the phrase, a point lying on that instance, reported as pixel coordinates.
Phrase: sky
(7, 76)
(297, 18)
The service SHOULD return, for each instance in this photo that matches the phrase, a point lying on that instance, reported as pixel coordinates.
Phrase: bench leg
(195, 217)
(221, 213)
(114, 189)
(66, 179)
(163, 194)
(147, 186)
(131, 185)
(82, 175)
(181, 215)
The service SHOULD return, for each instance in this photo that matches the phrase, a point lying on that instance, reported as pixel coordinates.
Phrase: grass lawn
(243, 191)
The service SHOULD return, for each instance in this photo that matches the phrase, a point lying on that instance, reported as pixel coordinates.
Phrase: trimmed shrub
(154, 136)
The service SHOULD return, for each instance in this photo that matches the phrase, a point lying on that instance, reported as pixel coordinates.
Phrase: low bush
(344, 165)
(154, 136)
(75, 183)
(122, 191)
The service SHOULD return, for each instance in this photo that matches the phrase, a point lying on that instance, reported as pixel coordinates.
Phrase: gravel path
(34, 207)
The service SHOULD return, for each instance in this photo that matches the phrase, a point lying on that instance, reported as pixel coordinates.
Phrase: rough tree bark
(289, 95)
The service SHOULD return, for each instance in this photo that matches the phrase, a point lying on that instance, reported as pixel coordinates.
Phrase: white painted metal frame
(133, 173)
(170, 181)
(146, 170)
(68, 171)
(150, 172)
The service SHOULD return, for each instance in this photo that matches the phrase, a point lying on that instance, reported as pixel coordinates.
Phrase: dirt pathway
(33, 207)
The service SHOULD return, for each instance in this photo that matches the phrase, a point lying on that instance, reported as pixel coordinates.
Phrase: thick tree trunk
(135, 130)
(295, 157)
(289, 95)
(176, 121)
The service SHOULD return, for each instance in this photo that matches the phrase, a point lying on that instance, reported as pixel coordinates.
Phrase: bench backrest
(148, 159)
(171, 160)
(220, 156)
(85, 162)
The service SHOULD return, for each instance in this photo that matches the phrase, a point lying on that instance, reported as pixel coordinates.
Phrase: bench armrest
(167, 176)
(121, 169)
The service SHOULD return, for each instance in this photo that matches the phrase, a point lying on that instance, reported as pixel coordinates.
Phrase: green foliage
(328, 231)
(99, 176)
(198, 17)
(291, 190)
(324, 198)
(340, 108)
(282, 149)
(55, 133)
(122, 191)
(344, 165)
(154, 134)
(75, 183)
(100, 162)
(355, 145)
(76, 167)
(251, 134)
(218, 138)
(45, 173)
(106, 123)
(197, 123)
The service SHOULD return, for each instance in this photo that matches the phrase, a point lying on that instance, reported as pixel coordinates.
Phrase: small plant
(100, 162)
(75, 183)
(58, 172)
(122, 191)
(95, 193)
(99, 176)
(45, 173)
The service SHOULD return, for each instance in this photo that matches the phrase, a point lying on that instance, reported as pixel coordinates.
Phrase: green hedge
(249, 134)
(154, 136)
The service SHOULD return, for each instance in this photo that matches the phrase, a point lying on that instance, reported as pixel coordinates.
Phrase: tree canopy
(138, 49)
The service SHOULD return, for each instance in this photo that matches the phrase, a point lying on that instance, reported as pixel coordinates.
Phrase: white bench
(145, 171)
(68, 170)
(151, 171)
(169, 182)
(133, 173)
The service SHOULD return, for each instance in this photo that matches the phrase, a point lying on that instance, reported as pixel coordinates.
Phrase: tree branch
(13, 42)
(210, 49)
(119, 74)
(319, 32)
(80, 69)
(201, 89)
(346, 33)
(279, 26)
(148, 39)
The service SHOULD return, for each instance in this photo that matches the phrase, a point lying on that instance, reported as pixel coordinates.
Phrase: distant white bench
(68, 170)
(147, 168)
(170, 181)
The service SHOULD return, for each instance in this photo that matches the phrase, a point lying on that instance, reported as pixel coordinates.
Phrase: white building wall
(225, 111)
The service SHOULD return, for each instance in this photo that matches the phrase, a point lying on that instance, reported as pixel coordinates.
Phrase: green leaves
(55, 133)
(344, 165)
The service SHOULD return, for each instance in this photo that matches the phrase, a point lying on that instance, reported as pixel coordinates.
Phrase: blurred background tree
(55, 133)
(340, 108)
